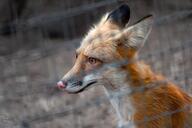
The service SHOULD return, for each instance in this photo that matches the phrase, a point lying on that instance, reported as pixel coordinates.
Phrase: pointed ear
(137, 34)
(120, 16)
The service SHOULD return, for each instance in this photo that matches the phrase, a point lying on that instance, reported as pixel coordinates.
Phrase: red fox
(152, 101)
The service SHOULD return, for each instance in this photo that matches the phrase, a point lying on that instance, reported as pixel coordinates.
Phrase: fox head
(109, 41)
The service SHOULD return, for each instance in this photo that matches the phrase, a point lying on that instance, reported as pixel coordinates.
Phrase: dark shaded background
(37, 42)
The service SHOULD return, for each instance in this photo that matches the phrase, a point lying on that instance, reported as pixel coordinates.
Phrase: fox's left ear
(137, 34)
(120, 16)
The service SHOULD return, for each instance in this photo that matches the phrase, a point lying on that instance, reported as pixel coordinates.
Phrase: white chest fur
(122, 105)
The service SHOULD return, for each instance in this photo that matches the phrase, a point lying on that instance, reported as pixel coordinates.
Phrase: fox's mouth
(78, 87)
(85, 87)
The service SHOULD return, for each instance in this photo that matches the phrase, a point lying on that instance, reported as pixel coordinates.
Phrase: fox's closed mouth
(93, 82)
(86, 86)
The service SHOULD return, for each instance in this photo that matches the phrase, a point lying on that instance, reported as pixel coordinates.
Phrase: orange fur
(160, 106)
(151, 104)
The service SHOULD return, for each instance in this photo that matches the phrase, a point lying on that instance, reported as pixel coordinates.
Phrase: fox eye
(92, 60)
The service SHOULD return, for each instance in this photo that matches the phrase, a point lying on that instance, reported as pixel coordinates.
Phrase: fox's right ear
(120, 16)
(136, 34)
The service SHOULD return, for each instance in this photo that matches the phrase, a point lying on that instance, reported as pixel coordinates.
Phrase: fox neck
(138, 74)
(121, 105)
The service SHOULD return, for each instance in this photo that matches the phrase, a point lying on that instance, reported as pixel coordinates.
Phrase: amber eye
(92, 60)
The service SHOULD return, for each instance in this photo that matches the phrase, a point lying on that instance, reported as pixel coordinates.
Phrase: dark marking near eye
(76, 55)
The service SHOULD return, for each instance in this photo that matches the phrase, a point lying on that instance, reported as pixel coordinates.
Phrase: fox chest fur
(122, 106)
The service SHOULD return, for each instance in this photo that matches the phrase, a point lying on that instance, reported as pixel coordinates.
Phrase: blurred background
(37, 43)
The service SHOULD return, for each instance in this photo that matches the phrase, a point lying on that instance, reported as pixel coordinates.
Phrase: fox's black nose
(61, 84)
